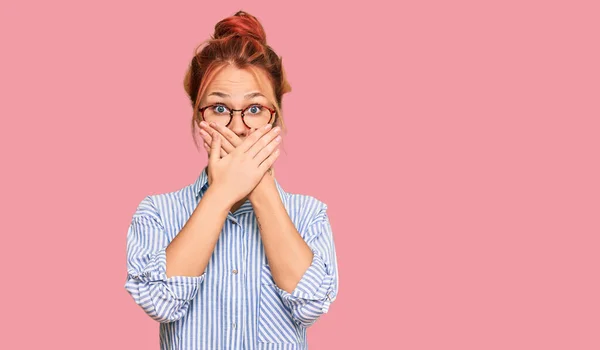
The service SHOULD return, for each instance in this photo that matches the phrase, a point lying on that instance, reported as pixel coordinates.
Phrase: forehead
(237, 82)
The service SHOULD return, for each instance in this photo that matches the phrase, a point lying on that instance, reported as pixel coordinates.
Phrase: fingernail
(278, 138)
(277, 129)
(203, 123)
(213, 124)
(268, 126)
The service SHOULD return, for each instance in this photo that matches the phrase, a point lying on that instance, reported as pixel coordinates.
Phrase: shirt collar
(201, 185)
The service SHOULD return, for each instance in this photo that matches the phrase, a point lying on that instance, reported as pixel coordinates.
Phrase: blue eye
(255, 109)
(220, 109)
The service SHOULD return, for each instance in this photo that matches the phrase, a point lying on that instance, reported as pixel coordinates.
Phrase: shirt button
(234, 272)
(233, 325)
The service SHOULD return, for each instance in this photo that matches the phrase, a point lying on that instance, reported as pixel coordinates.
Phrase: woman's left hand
(229, 141)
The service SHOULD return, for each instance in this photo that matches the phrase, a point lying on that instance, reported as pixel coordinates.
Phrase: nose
(237, 125)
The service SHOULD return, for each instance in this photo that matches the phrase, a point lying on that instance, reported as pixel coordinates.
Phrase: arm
(163, 278)
(304, 269)
(189, 252)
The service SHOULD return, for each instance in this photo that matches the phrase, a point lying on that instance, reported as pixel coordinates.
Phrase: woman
(233, 261)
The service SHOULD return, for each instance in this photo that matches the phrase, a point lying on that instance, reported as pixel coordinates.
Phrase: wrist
(264, 188)
(219, 197)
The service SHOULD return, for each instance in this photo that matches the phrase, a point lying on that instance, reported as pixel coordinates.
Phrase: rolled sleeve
(318, 287)
(164, 299)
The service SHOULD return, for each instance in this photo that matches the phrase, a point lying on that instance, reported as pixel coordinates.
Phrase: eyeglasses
(254, 116)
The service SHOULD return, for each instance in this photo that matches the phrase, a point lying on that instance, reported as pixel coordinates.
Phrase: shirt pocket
(275, 322)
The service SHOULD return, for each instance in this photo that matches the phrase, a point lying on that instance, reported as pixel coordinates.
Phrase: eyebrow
(247, 96)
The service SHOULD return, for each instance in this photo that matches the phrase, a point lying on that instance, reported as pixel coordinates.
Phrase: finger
(208, 134)
(208, 139)
(268, 163)
(206, 129)
(253, 138)
(267, 150)
(207, 148)
(223, 153)
(264, 142)
(229, 135)
(215, 147)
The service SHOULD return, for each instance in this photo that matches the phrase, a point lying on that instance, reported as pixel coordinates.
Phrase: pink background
(456, 144)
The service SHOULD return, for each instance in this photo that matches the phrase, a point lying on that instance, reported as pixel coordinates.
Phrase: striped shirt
(235, 303)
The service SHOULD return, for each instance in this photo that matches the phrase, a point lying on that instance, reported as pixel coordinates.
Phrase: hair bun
(240, 24)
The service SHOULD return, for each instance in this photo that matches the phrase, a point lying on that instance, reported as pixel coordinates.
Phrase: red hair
(238, 40)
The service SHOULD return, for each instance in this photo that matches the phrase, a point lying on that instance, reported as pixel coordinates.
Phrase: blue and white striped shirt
(235, 303)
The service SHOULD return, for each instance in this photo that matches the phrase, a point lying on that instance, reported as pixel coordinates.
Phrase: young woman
(233, 261)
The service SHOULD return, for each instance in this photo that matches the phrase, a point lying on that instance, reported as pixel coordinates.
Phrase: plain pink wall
(456, 144)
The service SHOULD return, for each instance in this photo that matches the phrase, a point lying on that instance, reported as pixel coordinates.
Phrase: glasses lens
(256, 116)
(218, 114)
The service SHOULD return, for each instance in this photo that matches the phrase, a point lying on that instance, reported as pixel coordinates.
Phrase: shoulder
(152, 205)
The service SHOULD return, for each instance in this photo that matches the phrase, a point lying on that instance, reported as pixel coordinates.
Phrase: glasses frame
(231, 111)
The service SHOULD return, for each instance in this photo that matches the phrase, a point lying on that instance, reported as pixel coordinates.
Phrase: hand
(230, 142)
(239, 166)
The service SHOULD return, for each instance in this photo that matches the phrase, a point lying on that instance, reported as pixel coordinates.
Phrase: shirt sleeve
(163, 299)
(318, 287)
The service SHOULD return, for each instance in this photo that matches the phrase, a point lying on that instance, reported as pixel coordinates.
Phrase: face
(237, 89)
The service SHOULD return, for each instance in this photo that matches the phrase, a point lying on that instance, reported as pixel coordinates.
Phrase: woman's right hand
(238, 173)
